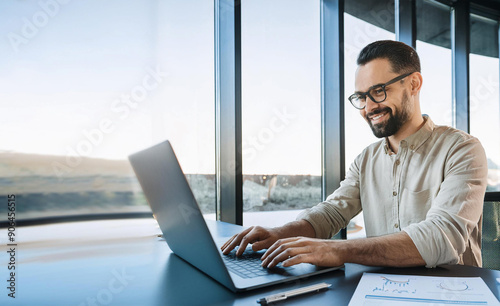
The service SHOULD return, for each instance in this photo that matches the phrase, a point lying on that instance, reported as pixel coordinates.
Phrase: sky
(105, 79)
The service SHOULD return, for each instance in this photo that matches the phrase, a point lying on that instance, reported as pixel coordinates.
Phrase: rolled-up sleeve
(328, 217)
(452, 224)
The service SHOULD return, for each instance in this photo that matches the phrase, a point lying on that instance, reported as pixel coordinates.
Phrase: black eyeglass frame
(367, 93)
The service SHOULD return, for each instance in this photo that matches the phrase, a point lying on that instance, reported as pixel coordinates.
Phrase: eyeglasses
(377, 93)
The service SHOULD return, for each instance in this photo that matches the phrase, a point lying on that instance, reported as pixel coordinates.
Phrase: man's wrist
(299, 228)
(376, 251)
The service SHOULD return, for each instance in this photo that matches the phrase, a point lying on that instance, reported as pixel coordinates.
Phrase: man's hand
(297, 250)
(262, 238)
(259, 237)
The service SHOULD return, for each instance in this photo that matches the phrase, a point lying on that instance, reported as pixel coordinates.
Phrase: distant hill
(32, 173)
(22, 164)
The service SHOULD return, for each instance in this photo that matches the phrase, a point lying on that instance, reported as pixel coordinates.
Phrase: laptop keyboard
(247, 265)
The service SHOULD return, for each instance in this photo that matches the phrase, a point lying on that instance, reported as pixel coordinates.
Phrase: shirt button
(412, 147)
(394, 193)
(396, 225)
(397, 162)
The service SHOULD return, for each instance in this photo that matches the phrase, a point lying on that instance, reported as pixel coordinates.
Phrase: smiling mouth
(377, 117)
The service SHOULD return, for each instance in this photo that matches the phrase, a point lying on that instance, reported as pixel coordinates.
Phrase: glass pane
(357, 34)
(281, 107)
(376, 13)
(484, 96)
(434, 49)
(358, 135)
(89, 83)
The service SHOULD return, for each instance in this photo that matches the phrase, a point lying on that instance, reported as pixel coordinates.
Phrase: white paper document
(391, 289)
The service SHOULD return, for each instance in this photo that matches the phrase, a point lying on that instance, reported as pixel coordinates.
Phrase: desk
(124, 262)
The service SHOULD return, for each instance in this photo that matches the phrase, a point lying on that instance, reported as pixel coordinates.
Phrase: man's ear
(416, 81)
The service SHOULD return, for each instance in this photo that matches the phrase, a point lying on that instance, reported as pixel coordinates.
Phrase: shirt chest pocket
(414, 206)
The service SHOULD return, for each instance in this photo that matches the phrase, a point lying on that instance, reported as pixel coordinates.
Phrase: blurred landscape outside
(110, 186)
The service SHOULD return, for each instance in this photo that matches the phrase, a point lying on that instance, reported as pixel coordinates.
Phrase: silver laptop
(187, 233)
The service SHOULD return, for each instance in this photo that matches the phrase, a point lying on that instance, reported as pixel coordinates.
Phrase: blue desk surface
(124, 262)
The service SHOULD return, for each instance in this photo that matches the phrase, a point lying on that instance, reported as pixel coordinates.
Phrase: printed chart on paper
(388, 289)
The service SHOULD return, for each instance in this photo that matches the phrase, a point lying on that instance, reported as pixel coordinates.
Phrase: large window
(357, 34)
(434, 49)
(484, 93)
(281, 113)
(85, 84)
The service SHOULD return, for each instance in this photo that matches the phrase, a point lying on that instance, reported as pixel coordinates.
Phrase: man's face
(385, 118)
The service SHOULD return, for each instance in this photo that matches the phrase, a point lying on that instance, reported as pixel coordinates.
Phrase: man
(421, 187)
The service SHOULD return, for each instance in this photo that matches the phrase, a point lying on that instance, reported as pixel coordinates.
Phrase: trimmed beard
(395, 121)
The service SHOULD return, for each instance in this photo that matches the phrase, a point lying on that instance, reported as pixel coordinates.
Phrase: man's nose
(370, 105)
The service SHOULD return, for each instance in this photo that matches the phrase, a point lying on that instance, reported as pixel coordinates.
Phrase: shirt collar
(415, 140)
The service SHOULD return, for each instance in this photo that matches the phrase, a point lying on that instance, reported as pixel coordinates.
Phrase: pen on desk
(288, 294)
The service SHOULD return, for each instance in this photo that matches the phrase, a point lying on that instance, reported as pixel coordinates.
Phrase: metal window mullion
(406, 22)
(229, 178)
(460, 27)
(332, 96)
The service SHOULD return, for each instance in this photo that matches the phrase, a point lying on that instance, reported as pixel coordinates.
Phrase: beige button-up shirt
(433, 189)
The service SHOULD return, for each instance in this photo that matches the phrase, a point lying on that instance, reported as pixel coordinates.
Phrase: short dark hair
(403, 58)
